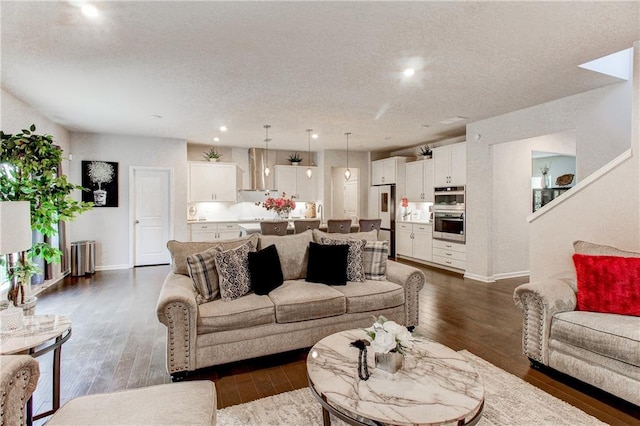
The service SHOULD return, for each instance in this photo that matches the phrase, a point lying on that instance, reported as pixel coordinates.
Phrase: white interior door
(350, 202)
(151, 216)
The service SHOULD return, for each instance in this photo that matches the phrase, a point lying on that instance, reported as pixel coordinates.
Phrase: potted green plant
(425, 152)
(30, 173)
(294, 159)
(212, 154)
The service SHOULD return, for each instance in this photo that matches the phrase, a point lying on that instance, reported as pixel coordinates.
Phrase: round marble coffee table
(39, 335)
(436, 385)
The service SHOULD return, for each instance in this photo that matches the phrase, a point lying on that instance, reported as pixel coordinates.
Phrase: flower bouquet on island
(281, 205)
(388, 341)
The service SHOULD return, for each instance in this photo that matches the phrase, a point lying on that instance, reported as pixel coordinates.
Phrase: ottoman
(184, 403)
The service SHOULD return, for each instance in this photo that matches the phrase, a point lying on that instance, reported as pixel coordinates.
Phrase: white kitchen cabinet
(213, 231)
(212, 182)
(404, 242)
(385, 171)
(450, 254)
(450, 165)
(293, 181)
(419, 180)
(414, 240)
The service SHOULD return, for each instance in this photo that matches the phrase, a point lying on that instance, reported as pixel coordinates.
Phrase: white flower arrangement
(388, 336)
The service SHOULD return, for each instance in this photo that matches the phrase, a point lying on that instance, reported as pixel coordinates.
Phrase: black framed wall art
(101, 179)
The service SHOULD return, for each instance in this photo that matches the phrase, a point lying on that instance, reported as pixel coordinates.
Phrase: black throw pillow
(265, 270)
(327, 264)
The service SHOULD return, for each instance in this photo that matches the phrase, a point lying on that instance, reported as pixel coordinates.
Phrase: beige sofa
(19, 376)
(602, 349)
(293, 316)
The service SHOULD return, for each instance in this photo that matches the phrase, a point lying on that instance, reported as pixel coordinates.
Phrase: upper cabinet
(385, 171)
(294, 182)
(212, 182)
(450, 165)
(419, 180)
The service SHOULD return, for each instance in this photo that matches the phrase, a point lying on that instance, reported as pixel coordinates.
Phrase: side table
(40, 334)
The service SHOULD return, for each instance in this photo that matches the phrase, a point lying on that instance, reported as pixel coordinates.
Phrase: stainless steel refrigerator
(382, 205)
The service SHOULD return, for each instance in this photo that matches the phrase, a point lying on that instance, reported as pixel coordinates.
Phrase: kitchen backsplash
(234, 211)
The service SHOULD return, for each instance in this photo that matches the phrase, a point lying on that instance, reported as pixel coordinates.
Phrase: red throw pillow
(608, 284)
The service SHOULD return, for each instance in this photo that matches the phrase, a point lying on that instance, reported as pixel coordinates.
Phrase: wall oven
(449, 213)
(449, 225)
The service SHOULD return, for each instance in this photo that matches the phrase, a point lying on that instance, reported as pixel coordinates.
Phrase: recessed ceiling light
(409, 72)
(216, 139)
(223, 128)
(90, 11)
(314, 136)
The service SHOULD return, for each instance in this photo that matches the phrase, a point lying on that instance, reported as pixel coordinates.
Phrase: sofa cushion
(369, 235)
(181, 249)
(300, 301)
(371, 295)
(327, 264)
(355, 262)
(375, 260)
(610, 335)
(585, 247)
(608, 284)
(265, 270)
(293, 252)
(203, 273)
(233, 268)
(247, 311)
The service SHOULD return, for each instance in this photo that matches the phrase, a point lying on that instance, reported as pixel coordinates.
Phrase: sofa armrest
(18, 379)
(539, 302)
(178, 310)
(412, 279)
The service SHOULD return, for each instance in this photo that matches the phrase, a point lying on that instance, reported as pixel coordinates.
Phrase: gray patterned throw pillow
(202, 270)
(233, 268)
(375, 260)
(355, 257)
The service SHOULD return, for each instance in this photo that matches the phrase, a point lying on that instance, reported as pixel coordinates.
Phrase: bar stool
(367, 225)
(342, 226)
(274, 228)
(304, 225)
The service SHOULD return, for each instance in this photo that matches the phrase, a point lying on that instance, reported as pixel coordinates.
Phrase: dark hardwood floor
(118, 343)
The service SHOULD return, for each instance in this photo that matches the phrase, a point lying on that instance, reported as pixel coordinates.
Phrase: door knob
(137, 221)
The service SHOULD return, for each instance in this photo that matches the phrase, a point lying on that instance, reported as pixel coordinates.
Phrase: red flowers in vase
(281, 205)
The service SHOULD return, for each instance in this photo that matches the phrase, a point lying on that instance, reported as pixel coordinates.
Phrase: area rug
(509, 400)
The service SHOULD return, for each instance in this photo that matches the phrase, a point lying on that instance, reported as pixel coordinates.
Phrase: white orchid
(388, 336)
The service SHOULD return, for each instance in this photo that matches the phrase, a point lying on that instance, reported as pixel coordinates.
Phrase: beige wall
(17, 115)
(109, 226)
(493, 250)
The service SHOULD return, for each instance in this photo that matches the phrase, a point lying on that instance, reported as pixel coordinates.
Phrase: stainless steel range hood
(260, 184)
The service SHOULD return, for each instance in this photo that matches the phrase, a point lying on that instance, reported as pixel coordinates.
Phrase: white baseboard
(516, 274)
(496, 277)
(112, 267)
(480, 278)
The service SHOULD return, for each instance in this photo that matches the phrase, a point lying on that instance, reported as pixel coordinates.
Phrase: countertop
(247, 220)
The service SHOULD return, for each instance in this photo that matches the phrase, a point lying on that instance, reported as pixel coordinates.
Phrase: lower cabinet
(450, 254)
(414, 240)
(213, 231)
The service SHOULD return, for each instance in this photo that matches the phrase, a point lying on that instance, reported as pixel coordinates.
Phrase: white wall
(357, 160)
(109, 226)
(599, 138)
(512, 199)
(16, 115)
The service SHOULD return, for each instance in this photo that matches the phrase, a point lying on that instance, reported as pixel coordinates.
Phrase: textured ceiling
(330, 66)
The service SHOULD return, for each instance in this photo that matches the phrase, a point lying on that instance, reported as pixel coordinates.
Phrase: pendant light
(266, 146)
(309, 171)
(347, 173)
